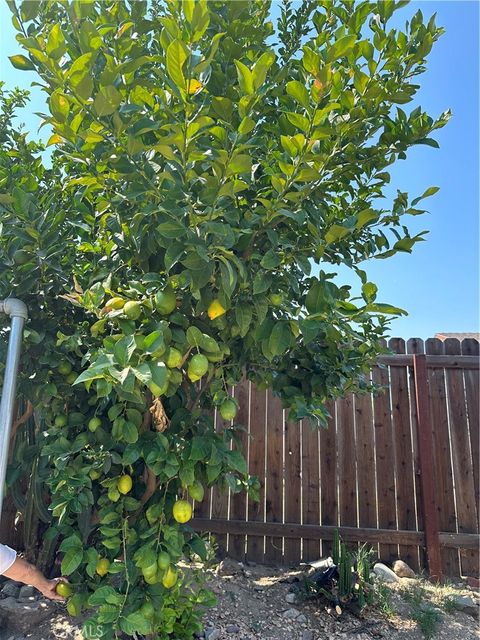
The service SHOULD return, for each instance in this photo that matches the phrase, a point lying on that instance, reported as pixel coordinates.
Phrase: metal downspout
(17, 310)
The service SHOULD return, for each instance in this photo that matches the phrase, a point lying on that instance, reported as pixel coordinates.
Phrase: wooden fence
(399, 470)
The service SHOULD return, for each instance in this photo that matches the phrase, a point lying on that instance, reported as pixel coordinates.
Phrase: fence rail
(399, 470)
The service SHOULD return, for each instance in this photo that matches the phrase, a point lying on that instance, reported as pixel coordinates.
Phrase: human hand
(48, 589)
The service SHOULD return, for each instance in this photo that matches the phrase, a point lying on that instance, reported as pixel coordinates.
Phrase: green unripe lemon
(102, 566)
(153, 579)
(64, 367)
(196, 491)
(61, 420)
(197, 367)
(276, 299)
(64, 589)
(72, 376)
(124, 484)
(132, 310)
(150, 571)
(169, 578)
(228, 409)
(163, 560)
(174, 358)
(93, 424)
(147, 610)
(166, 301)
(94, 474)
(182, 511)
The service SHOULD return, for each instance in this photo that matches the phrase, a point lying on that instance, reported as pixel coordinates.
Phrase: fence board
(447, 519)
(416, 346)
(385, 461)
(470, 347)
(274, 482)
(461, 459)
(293, 488)
(405, 489)
(238, 501)
(310, 487)
(220, 495)
(328, 475)
(347, 462)
(367, 499)
(256, 464)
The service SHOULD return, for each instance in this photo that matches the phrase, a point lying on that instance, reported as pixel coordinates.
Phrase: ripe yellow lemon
(174, 358)
(166, 301)
(169, 578)
(64, 589)
(197, 367)
(215, 310)
(102, 566)
(124, 484)
(115, 303)
(228, 409)
(132, 310)
(163, 560)
(182, 511)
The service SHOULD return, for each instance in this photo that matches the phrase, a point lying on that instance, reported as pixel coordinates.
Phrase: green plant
(196, 172)
(426, 616)
(345, 582)
(448, 604)
(383, 599)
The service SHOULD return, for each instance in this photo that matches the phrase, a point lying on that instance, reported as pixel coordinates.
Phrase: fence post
(427, 470)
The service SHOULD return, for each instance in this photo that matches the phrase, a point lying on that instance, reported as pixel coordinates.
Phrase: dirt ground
(252, 606)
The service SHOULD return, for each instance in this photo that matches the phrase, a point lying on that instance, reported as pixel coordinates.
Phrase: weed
(383, 599)
(448, 604)
(422, 612)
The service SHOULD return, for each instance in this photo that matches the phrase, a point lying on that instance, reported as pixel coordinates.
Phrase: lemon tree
(209, 171)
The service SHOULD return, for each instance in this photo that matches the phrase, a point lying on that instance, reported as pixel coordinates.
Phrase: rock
(301, 618)
(212, 634)
(409, 582)
(23, 617)
(10, 589)
(307, 635)
(402, 570)
(291, 614)
(27, 592)
(228, 567)
(466, 604)
(384, 573)
(291, 598)
(232, 628)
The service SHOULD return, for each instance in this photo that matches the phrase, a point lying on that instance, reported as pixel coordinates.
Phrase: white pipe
(17, 310)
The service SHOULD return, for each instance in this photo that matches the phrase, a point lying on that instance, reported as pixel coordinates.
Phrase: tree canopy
(210, 171)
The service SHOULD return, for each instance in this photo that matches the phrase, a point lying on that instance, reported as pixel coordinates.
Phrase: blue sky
(439, 283)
